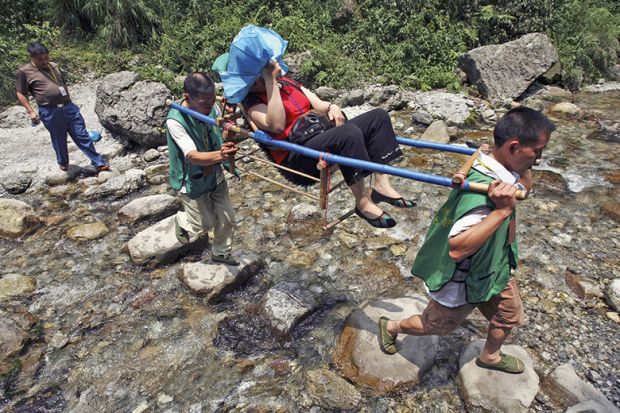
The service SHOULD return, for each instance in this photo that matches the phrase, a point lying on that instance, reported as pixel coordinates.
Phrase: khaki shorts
(505, 310)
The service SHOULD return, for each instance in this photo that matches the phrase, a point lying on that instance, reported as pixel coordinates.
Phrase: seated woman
(275, 103)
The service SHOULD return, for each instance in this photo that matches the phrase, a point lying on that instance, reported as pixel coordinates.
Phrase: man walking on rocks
(196, 154)
(470, 248)
(43, 79)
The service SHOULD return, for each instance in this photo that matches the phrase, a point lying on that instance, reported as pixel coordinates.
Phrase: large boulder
(17, 218)
(505, 71)
(487, 390)
(213, 280)
(158, 244)
(359, 358)
(131, 108)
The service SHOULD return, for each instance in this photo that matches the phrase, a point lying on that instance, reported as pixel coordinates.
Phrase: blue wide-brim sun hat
(249, 53)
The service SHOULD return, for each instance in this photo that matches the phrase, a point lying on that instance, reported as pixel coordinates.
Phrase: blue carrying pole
(434, 145)
(262, 137)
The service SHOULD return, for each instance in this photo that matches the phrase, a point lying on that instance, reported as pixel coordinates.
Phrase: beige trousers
(211, 210)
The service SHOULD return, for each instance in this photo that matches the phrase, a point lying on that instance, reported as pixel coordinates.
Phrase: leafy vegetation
(344, 42)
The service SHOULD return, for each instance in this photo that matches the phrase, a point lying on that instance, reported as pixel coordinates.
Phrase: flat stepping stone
(213, 280)
(86, 232)
(286, 305)
(360, 359)
(148, 207)
(495, 391)
(157, 244)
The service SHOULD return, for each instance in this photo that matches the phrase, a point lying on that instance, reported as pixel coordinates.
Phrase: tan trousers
(211, 210)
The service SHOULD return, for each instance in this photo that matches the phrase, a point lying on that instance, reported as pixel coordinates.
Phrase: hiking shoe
(507, 364)
(181, 234)
(225, 259)
(387, 342)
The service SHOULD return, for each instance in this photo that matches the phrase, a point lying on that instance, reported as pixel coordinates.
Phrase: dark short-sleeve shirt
(42, 84)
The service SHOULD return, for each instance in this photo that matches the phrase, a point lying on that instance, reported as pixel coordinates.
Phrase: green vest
(490, 265)
(206, 138)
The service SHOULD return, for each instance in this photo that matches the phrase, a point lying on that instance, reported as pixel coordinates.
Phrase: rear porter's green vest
(490, 265)
(206, 138)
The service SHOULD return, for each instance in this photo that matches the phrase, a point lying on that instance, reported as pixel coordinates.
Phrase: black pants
(368, 137)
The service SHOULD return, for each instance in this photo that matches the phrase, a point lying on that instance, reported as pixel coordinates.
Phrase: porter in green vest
(196, 153)
(470, 247)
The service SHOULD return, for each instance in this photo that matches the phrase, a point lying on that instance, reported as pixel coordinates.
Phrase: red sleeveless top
(295, 105)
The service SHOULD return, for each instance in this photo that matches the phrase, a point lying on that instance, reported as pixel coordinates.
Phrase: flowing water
(120, 337)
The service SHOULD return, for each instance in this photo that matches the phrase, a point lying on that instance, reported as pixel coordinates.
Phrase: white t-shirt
(452, 294)
(186, 144)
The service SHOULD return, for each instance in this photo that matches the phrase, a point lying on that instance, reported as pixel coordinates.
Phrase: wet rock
(583, 287)
(453, 108)
(612, 210)
(549, 182)
(85, 232)
(131, 108)
(437, 132)
(331, 391)
(151, 155)
(301, 259)
(566, 109)
(422, 117)
(286, 304)
(118, 186)
(143, 297)
(12, 285)
(17, 218)
(148, 207)
(15, 117)
(157, 244)
(506, 71)
(304, 211)
(605, 87)
(489, 390)
(355, 97)
(359, 358)
(15, 182)
(613, 294)
(566, 388)
(214, 280)
(15, 324)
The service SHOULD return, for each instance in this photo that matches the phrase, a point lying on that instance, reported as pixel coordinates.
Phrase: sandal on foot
(382, 221)
(507, 364)
(225, 259)
(387, 342)
(401, 202)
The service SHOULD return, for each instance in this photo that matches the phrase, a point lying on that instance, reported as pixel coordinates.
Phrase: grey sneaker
(225, 259)
(182, 235)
